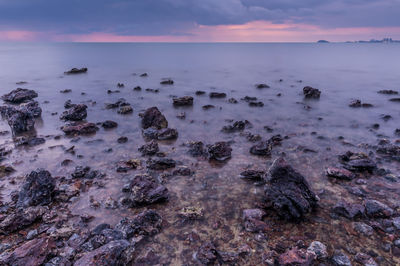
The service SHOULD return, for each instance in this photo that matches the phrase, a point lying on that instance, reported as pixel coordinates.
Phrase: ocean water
(342, 72)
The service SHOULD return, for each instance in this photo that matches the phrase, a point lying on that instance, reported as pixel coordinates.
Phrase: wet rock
(144, 75)
(357, 103)
(75, 113)
(340, 259)
(65, 91)
(236, 126)
(68, 104)
(120, 103)
(232, 100)
(183, 171)
(123, 110)
(390, 151)
(388, 92)
(296, 256)
(149, 149)
(207, 106)
(363, 228)
(19, 95)
(220, 151)
(167, 134)
(76, 71)
(31, 107)
(196, 148)
(147, 223)
(249, 99)
(6, 170)
(200, 93)
(357, 162)
(120, 85)
(85, 172)
(311, 93)
(114, 253)
(191, 213)
(137, 88)
(394, 99)
(262, 86)
(252, 175)
(377, 209)
(253, 220)
(319, 249)
(20, 121)
(122, 140)
(150, 133)
(339, 173)
(365, 259)
(79, 128)
(264, 148)
(181, 115)
(167, 82)
(125, 166)
(28, 141)
(144, 190)
(21, 218)
(31, 253)
(217, 95)
(348, 210)
(288, 192)
(256, 104)
(38, 189)
(207, 254)
(109, 124)
(160, 163)
(183, 101)
(152, 117)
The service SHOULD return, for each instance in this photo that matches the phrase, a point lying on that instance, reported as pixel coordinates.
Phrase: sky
(198, 20)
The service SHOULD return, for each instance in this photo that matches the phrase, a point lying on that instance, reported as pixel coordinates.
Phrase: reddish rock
(296, 256)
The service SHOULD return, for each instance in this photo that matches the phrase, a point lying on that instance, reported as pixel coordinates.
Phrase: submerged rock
(149, 149)
(167, 82)
(108, 124)
(196, 148)
(76, 71)
(264, 148)
(288, 192)
(207, 254)
(76, 113)
(126, 109)
(120, 103)
(262, 86)
(38, 189)
(217, 95)
(144, 190)
(220, 151)
(152, 117)
(79, 128)
(340, 259)
(256, 104)
(357, 103)
(311, 93)
(167, 134)
(252, 175)
(19, 120)
(253, 220)
(236, 126)
(183, 101)
(160, 163)
(146, 223)
(388, 92)
(32, 107)
(19, 95)
(348, 210)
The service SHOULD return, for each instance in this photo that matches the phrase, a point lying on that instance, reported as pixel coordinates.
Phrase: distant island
(384, 40)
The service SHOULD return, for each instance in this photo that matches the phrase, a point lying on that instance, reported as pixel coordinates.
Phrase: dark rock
(288, 192)
(207, 106)
(311, 93)
(38, 189)
(123, 110)
(256, 104)
(217, 95)
(296, 256)
(137, 88)
(252, 175)
(79, 128)
(85, 172)
(196, 148)
(264, 148)
(340, 259)
(76, 71)
(75, 113)
(319, 249)
(377, 209)
(109, 124)
(21, 218)
(249, 99)
(144, 75)
(146, 223)
(31, 253)
(20, 120)
(365, 259)
(29, 141)
(167, 82)
(120, 85)
(160, 163)
(31, 107)
(357, 162)
(363, 228)
(183, 171)
(152, 117)
(183, 101)
(262, 86)
(68, 104)
(65, 91)
(167, 134)
(200, 92)
(236, 126)
(355, 103)
(394, 99)
(388, 92)
(348, 210)
(19, 95)
(125, 166)
(122, 140)
(339, 173)
(150, 133)
(253, 220)
(144, 190)
(232, 100)
(114, 253)
(220, 151)
(149, 149)
(207, 254)
(120, 103)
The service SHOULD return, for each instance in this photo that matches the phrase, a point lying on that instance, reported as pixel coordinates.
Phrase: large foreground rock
(21, 218)
(152, 117)
(288, 192)
(19, 95)
(38, 189)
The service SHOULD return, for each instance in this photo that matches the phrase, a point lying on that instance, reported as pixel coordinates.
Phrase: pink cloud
(19, 35)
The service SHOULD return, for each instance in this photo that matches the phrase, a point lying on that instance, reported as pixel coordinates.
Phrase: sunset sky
(198, 20)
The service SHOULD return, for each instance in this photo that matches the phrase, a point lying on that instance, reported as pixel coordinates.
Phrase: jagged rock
(249, 99)
(160, 163)
(32, 107)
(152, 117)
(220, 151)
(20, 120)
(348, 210)
(116, 252)
(377, 209)
(311, 93)
(31, 253)
(19, 95)
(144, 190)
(236, 126)
(149, 149)
(183, 101)
(38, 189)
(75, 113)
(288, 192)
(21, 218)
(147, 223)
(76, 71)
(296, 256)
(217, 95)
(79, 128)
(109, 124)
(150, 133)
(84, 172)
(339, 173)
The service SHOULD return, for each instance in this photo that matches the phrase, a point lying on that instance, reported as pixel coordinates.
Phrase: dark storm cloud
(177, 17)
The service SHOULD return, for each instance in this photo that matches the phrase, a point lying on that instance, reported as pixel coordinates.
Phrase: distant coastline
(384, 40)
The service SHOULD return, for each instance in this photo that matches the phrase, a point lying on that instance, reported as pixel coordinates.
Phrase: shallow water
(341, 71)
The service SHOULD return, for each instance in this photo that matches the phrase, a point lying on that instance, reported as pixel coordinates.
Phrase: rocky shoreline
(250, 198)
